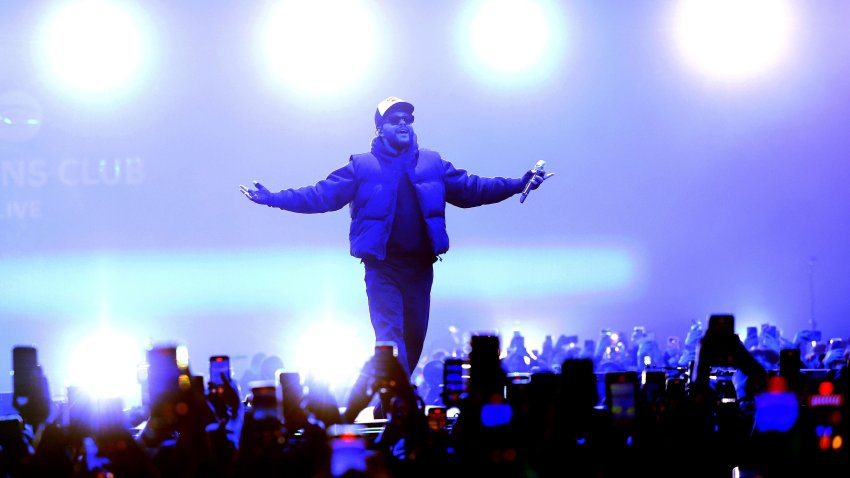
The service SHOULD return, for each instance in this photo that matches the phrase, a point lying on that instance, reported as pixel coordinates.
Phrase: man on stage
(397, 194)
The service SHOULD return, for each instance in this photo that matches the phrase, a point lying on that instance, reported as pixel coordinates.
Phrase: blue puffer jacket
(370, 186)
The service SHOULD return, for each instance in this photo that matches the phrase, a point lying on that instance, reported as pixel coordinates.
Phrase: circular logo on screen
(20, 116)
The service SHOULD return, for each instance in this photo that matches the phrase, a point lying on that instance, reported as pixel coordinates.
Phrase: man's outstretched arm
(468, 190)
(330, 194)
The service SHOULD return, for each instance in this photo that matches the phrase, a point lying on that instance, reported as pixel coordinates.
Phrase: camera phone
(219, 364)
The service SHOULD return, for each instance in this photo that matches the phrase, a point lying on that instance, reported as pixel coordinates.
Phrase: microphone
(538, 168)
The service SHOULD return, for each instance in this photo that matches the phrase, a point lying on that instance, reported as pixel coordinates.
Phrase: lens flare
(319, 47)
(93, 46)
(105, 365)
(513, 41)
(734, 40)
(333, 353)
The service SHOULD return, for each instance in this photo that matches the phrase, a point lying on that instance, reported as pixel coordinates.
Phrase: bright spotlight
(93, 46)
(105, 365)
(332, 353)
(734, 40)
(320, 46)
(513, 39)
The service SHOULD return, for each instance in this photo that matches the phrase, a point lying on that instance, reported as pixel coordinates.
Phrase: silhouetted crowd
(711, 405)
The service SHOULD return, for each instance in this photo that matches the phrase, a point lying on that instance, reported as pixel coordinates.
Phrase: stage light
(733, 40)
(320, 46)
(510, 40)
(332, 353)
(93, 46)
(105, 365)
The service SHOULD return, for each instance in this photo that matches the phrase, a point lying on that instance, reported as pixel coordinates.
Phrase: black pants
(399, 291)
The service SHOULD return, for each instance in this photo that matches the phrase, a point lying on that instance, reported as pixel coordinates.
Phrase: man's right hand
(261, 195)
